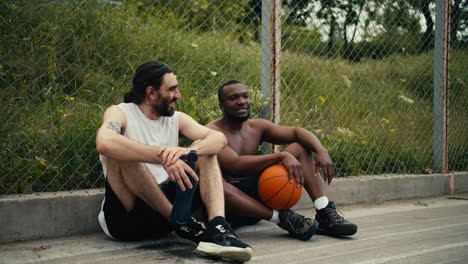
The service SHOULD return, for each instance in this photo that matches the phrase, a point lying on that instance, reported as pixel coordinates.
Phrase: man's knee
(297, 150)
(119, 167)
(208, 164)
(131, 165)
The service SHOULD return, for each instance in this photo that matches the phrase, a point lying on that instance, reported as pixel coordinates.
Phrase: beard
(163, 109)
(238, 119)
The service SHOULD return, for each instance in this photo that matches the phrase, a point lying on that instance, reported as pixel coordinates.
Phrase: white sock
(275, 217)
(321, 202)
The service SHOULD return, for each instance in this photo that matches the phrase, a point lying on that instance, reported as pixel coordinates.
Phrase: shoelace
(334, 215)
(198, 228)
(228, 231)
(197, 225)
(296, 219)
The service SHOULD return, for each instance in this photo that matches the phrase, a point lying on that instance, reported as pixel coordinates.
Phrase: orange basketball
(275, 189)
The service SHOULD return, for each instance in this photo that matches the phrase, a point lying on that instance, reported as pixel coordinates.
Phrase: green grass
(63, 63)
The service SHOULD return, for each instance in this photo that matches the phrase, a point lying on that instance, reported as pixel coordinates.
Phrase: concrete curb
(379, 188)
(46, 215)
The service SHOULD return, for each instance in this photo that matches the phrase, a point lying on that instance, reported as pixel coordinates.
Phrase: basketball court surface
(415, 231)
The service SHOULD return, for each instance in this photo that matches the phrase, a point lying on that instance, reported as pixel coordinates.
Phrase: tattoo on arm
(115, 126)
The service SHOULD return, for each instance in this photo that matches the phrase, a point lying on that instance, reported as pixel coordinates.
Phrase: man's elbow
(221, 139)
(101, 149)
(102, 145)
(224, 140)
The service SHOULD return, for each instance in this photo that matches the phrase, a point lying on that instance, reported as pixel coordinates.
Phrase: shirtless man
(241, 167)
(144, 166)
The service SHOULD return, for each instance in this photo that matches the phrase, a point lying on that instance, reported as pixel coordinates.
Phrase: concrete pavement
(433, 230)
(75, 212)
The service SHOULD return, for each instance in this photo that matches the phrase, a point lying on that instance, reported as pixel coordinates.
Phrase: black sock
(183, 204)
(218, 220)
(182, 207)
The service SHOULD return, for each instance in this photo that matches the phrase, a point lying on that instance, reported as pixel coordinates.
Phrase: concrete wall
(45, 215)
(380, 188)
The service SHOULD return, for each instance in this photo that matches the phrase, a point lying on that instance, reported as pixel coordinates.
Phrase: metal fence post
(441, 86)
(266, 55)
(275, 64)
(271, 46)
(275, 56)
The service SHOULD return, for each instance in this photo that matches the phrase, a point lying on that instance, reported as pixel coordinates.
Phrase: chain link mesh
(458, 94)
(359, 74)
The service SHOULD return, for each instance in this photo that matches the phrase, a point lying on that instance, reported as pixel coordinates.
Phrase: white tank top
(158, 133)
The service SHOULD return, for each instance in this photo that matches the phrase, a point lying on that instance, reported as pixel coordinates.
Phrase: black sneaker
(221, 241)
(298, 226)
(193, 230)
(332, 223)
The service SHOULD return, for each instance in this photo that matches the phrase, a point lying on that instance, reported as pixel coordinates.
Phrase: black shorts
(248, 186)
(142, 222)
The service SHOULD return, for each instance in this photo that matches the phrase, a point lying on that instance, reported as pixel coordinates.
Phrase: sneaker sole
(233, 253)
(337, 232)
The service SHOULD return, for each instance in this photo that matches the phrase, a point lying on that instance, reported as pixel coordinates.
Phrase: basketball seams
(273, 196)
(290, 197)
(272, 178)
(276, 191)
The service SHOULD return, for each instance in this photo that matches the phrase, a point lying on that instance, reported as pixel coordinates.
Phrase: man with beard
(143, 167)
(241, 168)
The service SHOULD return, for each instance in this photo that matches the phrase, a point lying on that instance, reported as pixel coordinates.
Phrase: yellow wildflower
(41, 160)
(321, 99)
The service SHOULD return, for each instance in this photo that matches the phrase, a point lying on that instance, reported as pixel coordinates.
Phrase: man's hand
(179, 173)
(294, 167)
(169, 155)
(324, 162)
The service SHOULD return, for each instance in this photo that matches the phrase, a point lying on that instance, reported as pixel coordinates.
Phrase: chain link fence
(359, 74)
(458, 84)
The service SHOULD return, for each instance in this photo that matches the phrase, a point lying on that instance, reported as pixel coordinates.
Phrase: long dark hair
(148, 74)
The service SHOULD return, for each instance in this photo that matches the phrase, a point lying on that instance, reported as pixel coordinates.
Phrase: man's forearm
(248, 165)
(308, 140)
(121, 148)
